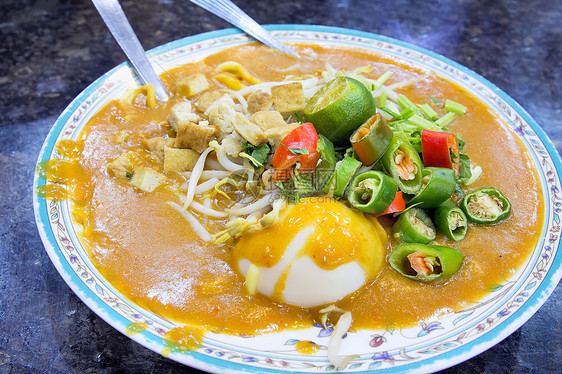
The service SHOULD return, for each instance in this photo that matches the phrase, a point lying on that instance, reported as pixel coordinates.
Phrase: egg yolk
(318, 252)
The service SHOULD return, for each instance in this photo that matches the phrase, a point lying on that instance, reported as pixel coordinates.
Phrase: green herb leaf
(464, 169)
(453, 156)
(460, 141)
(297, 151)
(128, 175)
(259, 153)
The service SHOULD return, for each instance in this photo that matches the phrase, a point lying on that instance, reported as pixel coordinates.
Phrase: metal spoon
(228, 11)
(117, 23)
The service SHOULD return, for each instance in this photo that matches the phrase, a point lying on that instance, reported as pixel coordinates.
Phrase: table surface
(50, 50)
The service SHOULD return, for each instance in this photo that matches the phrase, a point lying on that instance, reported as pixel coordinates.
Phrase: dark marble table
(52, 49)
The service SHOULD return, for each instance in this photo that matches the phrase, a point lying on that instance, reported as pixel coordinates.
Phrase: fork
(117, 23)
(228, 11)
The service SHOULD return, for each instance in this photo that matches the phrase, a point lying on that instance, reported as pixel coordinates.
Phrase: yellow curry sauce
(150, 253)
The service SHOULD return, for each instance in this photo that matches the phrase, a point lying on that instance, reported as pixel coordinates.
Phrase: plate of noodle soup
(191, 301)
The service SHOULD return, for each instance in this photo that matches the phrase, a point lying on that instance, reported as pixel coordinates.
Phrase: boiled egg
(318, 252)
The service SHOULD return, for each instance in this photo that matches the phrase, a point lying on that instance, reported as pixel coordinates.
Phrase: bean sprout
(207, 211)
(336, 338)
(194, 179)
(206, 186)
(251, 208)
(195, 224)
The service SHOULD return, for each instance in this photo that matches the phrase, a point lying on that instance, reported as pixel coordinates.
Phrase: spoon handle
(117, 23)
(228, 11)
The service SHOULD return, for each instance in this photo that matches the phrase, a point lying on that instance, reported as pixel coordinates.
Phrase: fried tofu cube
(248, 130)
(123, 165)
(157, 144)
(268, 119)
(181, 112)
(277, 134)
(206, 99)
(258, 101)
(179, 160)
(288, 98)
(222, 113)
(192, 85)
(194, 136)
(147, 179)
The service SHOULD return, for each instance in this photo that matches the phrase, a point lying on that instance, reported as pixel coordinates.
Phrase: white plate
(428, 347)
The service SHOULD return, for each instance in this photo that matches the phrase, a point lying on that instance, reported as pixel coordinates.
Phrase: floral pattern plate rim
(431, 346)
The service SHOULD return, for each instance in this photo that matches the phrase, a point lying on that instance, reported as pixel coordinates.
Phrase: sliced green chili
(371, 139)
(438, 184)
(414, 226)
(403, 163)
(485, 205)
(425, 263)
(451, 220)
(343, 175)
(371, 192)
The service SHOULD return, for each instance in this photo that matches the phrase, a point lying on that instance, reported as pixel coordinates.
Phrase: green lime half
(339, 108)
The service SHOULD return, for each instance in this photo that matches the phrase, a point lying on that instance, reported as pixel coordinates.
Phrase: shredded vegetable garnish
(455, 107)
(382, 80)
(446, 119)
(429, 112)
(423, 123)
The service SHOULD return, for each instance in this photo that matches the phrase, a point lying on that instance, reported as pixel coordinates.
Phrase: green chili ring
(451, 221)
(414, 226)
(399, 155)
(343, 175)
(446, 261)
(371, 140)
(486, 205)
(438, 185)
(371, 192)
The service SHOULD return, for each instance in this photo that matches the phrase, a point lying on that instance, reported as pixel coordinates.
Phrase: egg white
(306, 284)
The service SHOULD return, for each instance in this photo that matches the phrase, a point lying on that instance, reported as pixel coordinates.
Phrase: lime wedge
(338, 108)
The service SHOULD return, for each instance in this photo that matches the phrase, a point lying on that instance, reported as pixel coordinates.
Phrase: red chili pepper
(440, 149)
(397, 205)
(303, 137)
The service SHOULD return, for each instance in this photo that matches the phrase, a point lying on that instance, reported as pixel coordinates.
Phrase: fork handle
(117, 23)
(228, 11)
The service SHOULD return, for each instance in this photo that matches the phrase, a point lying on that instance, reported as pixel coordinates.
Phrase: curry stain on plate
(134, 328)
(183, 339)
(307, 347)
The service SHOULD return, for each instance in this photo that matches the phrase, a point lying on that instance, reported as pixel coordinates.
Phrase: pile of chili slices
(401, 159)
